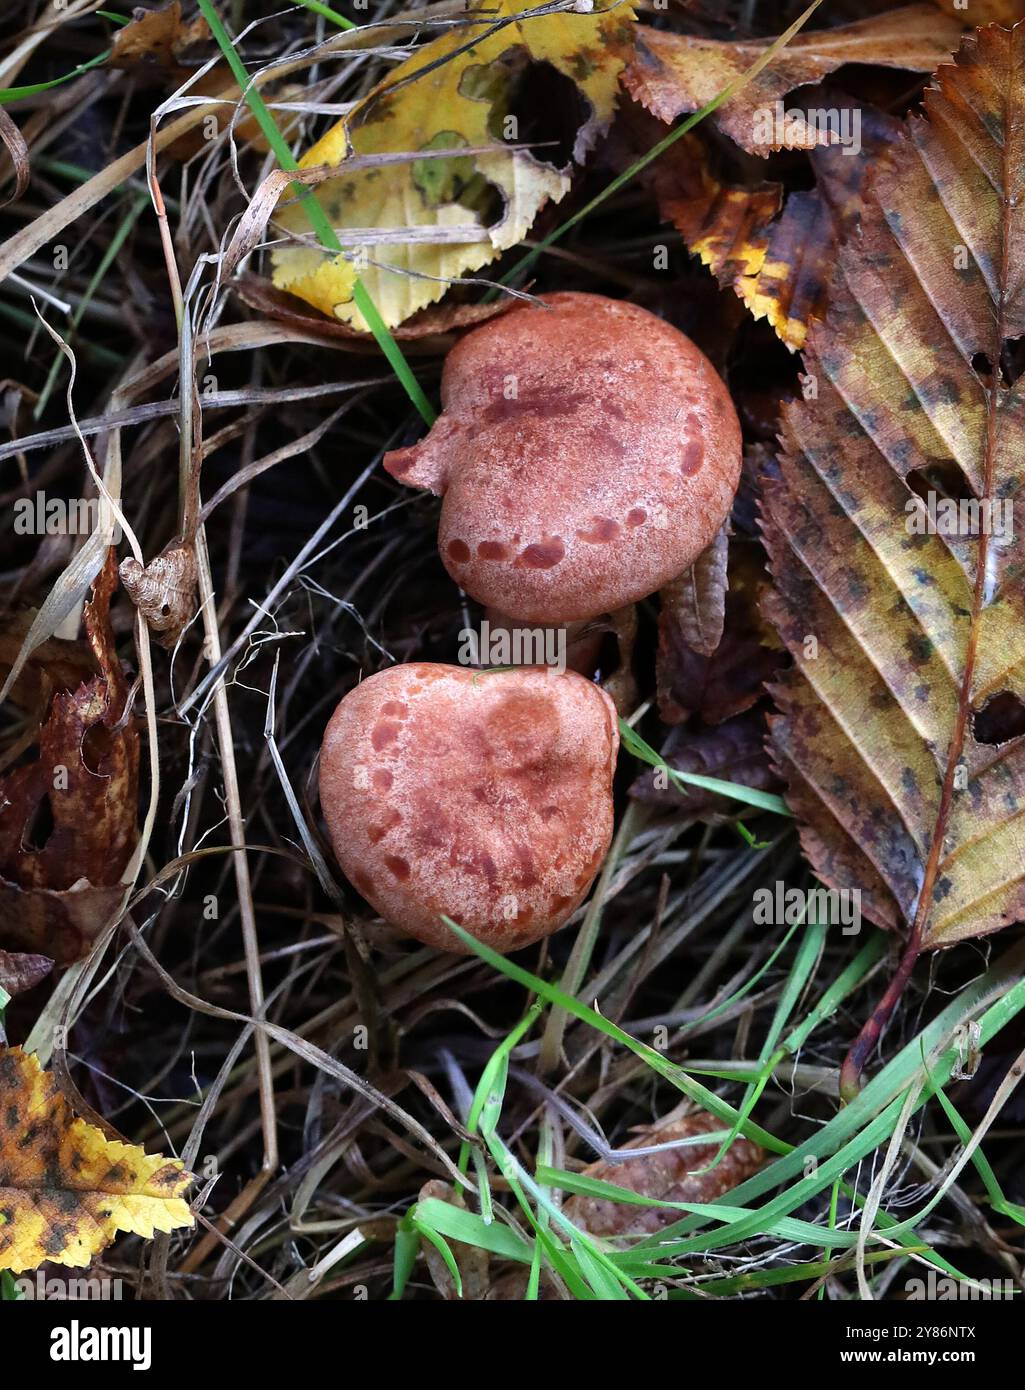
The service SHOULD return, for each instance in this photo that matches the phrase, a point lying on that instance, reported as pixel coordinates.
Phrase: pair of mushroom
(587, 453)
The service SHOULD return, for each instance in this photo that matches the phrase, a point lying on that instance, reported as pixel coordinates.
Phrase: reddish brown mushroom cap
(483, 796)
(587, 454)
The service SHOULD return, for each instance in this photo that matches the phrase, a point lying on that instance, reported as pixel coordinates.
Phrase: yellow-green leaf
(454, 93)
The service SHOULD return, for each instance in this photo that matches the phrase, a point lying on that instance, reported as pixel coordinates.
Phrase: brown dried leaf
(733, 751)
(20, 971)
(158, 39)
(671, 74)
(65, 1188)
(668, 1176)
(440, 321)
(164, 591)
(68, 819)
(732, 677)
(14, 143)
(695, 602)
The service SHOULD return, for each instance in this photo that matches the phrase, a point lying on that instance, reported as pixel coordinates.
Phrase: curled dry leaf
(65, 1188)
(696, 601)
(672, 74)
(20, 971)
(159, 39)
(164, 592)
(68, 818)
(669, 1176)
(14, 143)
(457, 92)
(733, 751)
(432, 330)
(731, 678)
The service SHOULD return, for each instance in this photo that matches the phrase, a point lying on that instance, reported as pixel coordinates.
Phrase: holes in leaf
(39, 827)
(1001, 718)
(96, 748)
(941, 478)
(539, 106)
(982, 366)
(1012, 360)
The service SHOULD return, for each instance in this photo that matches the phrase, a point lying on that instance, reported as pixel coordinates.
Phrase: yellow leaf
(65, 1188)
(449, 95)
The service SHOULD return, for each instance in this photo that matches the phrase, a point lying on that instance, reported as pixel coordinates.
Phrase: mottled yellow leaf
(65, 1188)
(448, 96)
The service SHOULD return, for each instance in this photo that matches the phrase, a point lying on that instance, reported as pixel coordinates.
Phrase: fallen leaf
(158, 39)
(696, 599)
(669, 1176)
(732, 677)
(733, 751)
(68, 819)
(900, 724)
(671, 74)
(459, 91)
(65, 1188)
(435, 327)
(20, 971)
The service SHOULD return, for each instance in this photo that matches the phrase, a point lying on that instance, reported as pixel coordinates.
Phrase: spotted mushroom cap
(587, 453)
(484, 796)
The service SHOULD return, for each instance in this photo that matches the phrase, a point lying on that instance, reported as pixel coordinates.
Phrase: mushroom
(483, 796)
(587, 454)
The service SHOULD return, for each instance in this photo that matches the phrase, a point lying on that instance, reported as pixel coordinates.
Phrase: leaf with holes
(65, 1188)
(898, 577)
(507, 77)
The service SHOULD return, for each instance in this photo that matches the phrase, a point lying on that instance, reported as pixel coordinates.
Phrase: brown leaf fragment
(672, 74)
(20, 971)
(731, 678)
(733, 751)
(696, 599)
(164, 591)
(158, 39)
(68, 818)
(17, 149)
(65, 1189)
(669, 1176)
(471, 1261)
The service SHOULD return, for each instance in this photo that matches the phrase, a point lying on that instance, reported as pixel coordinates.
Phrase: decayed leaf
(696, 599)
(65, 1189)
(731, 678)
(460, 98)
(20, 971)
(733, 751)
(669, 1176)
(68, 819)
(158, 39)
(671, 74)
(900, 724)
(780, 266)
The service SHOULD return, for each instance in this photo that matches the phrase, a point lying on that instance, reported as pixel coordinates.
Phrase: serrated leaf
(65, 1188)
(453, 93)
(671, 74)
(914, 633)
